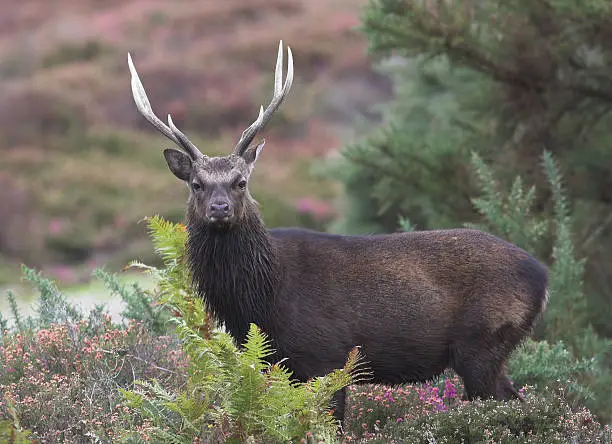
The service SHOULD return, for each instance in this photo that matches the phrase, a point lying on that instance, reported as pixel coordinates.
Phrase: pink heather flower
(449, 389)
(389, 396)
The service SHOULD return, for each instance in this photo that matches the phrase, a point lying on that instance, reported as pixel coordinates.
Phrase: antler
(280, 92)
(170, 130)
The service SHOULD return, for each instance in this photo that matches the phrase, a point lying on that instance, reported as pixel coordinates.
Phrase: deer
(416, 303)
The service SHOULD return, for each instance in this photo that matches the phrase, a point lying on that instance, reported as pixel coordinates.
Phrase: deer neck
(235, 271)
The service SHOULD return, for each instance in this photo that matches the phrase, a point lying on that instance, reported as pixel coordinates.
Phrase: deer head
(218, 186)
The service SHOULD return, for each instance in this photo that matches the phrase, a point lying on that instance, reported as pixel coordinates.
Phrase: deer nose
(219, 210)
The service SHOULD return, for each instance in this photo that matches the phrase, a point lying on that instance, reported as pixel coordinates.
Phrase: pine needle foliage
(510, 215)
(17, 319)
(569, 313)
(139, 304)
(52, 306)
(233, 393)
(397, 169)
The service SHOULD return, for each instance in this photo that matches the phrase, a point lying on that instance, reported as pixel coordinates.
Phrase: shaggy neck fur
(235, 271)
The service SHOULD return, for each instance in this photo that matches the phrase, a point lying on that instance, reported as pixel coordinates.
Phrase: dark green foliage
(508, 215)
(406, 166)
(548, 366)
(9, 434)
(567, 316)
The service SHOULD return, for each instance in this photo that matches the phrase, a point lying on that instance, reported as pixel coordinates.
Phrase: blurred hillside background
(80, 167)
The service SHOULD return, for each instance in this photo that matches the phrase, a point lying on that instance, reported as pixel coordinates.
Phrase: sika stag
(417, 303)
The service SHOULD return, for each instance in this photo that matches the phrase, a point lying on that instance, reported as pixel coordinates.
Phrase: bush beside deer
(416, 303)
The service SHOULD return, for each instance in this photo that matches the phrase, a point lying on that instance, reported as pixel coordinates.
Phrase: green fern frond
(256, 349)
(168, 238)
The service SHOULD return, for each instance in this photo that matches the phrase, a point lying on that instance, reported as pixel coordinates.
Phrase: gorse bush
(509, 214)
(139, 304)
(550, 366)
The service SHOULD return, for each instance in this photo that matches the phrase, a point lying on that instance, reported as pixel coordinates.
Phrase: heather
(61, 381)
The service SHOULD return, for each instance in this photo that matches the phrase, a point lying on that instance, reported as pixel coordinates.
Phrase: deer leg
(479, 383)
(339, 404)
(505, 389)
(479, 368)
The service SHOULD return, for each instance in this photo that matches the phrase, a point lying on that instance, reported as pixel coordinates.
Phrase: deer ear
(251, 154)
(179, 163)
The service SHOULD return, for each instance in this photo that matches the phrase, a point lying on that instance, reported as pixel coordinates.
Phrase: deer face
(218, 186)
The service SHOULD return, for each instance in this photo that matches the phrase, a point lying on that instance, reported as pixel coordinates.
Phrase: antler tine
(280, 93)
(144, 106)
(185, 143)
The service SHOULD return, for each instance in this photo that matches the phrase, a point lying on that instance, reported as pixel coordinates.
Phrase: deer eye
(196, 186)
(242, 184)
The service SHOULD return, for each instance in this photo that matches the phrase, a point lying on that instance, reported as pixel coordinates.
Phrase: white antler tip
(131, 66)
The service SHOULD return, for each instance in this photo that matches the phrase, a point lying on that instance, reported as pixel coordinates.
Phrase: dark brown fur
(417, 303)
